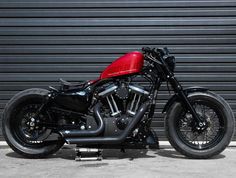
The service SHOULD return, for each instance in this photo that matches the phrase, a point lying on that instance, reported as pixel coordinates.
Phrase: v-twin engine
(124, 99)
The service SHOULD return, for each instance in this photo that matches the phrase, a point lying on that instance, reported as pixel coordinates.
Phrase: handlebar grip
(156, 51)
(146, 49)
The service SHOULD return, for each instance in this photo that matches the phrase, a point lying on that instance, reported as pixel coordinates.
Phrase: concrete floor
(165, 162)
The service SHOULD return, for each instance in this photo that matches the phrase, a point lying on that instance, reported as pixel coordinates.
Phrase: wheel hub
(200, 135)
(202, 126)
(30, 127)
(198, 126)
(32, 123)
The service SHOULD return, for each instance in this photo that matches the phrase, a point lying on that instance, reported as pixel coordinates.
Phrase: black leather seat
(65, 85)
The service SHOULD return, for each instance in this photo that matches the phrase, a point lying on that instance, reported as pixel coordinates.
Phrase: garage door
(41, 41)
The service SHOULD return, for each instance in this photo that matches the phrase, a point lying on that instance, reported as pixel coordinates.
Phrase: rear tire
(12, 120)
(180, 129)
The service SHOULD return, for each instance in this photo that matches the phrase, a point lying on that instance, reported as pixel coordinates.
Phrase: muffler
(111, 140)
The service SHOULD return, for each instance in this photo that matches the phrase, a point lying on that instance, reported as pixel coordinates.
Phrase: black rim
(214, 131)
(26, 128)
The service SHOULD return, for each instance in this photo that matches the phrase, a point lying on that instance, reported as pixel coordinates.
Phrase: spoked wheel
(208, 136)
(22, 128)
(211, 139)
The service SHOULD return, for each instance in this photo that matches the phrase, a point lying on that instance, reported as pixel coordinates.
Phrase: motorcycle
(116, 111)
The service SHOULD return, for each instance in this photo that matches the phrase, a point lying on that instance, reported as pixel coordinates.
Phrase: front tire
(181, 128)
(19, 135)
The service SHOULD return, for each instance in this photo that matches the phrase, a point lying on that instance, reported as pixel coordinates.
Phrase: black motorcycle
(115, 111)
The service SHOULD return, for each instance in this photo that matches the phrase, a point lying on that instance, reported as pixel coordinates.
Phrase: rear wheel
(23, 132)
(186, 137)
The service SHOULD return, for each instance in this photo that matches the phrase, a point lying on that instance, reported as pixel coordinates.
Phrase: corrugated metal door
(41, 41)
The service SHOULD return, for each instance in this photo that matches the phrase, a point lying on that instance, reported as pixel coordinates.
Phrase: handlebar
(146, 50)
(160, 56)
(156, 51)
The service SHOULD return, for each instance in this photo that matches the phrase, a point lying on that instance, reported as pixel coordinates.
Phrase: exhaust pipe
(112, 140)
(87, 133)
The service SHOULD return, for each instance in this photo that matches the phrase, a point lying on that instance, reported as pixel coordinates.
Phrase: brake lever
(166, 50)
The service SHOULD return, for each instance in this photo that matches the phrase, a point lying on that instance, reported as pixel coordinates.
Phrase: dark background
(41, 41)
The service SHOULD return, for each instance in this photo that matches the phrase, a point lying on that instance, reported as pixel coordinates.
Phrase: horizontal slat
(159, 104)
(139, 30)
(107, 58)
(163, 95)
(72, 68)
(118, 12)
(113, 40)
(88, 76)
(112, 4)
(91, 22)
(17, 86)
(101, 49)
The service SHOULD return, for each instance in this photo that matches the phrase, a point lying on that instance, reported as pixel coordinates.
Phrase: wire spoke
(192, 136)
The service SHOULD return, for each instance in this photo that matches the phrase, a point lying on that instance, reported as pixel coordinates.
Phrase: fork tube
(178, 89)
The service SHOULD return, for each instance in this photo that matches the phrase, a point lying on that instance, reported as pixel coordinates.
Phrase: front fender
(186, 91)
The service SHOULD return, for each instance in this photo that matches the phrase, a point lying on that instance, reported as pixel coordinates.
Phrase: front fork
(200, 122)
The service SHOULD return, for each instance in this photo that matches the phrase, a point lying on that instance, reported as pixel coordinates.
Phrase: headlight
(170, 60)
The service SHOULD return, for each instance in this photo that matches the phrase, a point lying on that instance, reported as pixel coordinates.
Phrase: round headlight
(170, 60)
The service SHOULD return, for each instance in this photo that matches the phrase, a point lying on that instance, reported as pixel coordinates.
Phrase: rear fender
(187, 91)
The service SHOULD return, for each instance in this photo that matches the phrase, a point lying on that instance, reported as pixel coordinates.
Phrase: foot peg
(88, 154)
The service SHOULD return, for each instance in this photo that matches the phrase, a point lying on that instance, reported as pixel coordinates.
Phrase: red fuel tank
(128, 64)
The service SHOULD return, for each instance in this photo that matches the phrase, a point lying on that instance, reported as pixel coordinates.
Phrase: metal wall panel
(41, 41)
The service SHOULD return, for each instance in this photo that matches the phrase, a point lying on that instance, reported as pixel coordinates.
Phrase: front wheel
(184, 135)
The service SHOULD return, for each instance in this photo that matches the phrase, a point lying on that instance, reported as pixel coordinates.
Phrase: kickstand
(122, 150)
(88, 154)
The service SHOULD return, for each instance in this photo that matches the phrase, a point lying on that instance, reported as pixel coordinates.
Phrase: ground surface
(134, 163)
